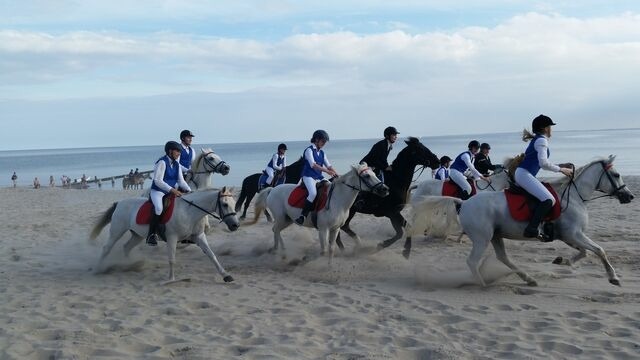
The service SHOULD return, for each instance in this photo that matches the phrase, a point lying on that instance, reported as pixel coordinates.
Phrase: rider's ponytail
(526, 135)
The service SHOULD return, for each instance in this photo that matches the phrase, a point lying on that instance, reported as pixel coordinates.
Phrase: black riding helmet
(485, 146)
(541, 122)
(172, 145)
(282, 147)
(474, 144)
(185, 133)
(390, 130)
(319, 135)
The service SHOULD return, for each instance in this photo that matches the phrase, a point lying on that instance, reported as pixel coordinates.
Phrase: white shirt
(158, 178)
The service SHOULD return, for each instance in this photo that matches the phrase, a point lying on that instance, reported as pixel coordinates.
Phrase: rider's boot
(464, 195)
(152, 237)
(539, 213)
(308, 206)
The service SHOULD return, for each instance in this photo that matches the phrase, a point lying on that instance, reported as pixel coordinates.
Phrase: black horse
(250, 185)
(398, 180)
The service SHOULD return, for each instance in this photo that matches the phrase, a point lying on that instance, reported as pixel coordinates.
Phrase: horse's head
(210, 162)
(421, 154)
(368, 181)
(226, 206)
(611, 183)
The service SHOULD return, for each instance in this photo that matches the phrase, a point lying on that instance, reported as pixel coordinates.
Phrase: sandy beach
(365, 306)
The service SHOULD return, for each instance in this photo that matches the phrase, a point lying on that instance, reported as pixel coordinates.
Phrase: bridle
(605, 171)
(361, 181)
(218, 206)
(213, 168)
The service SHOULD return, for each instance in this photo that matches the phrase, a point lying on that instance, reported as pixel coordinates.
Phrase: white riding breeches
(270, 173)
(310, 184)
(156, 198)
(527, 181)
(459, 178)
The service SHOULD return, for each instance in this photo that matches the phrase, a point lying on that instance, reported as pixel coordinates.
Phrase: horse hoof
(242, 217)
(615, 282)
(228, 278)
(557, 261)
(406, 254)
(532, 283)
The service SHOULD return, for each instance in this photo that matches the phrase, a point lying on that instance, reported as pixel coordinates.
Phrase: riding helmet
(282, 147)
(485, 146)
(541, 122)
(185, 133)
(172, 145)
(445, 159)
(320, 135)
(390, 130)
(474, 144)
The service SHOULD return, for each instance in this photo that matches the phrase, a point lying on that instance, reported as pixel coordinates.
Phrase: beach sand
(365, 306)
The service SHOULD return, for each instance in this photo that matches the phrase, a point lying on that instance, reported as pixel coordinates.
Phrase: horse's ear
(223, 190)
(363, 163)
(611, 158)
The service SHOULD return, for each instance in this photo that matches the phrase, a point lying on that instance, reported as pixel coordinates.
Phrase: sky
(89, 73)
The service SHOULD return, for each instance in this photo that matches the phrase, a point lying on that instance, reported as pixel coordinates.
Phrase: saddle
(143, 217)
(300, 193)
(521, 203)
(450, 188)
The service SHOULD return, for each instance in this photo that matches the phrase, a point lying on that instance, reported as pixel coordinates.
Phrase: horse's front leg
(172, 242)
(322, 236)
(582, 241)
(201, 241)
(333, 234)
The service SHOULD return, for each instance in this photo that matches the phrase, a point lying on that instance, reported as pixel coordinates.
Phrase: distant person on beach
(52, 182)
(276, 164)
(83, 182)
(377, 156)
(14, 179)
(187, 155)
(130, 174)
(167, 179)
(135, 173)
(461, 164)
(536, 156)
(443, 171)
(482, 160)
(36, 183)
(113, 182)
(315, 163)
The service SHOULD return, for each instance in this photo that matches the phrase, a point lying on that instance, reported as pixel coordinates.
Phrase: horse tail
(260, 205)
(435, 216)
(103, 221)
(241, 198)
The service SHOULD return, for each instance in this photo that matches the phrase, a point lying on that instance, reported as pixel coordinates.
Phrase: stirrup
(152, 240)
(300, 220)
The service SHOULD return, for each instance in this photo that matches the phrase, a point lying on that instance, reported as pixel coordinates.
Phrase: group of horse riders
(169, 170)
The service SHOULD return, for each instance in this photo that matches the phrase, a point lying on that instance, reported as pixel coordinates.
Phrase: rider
(187, 155)
(536, 156)
(463, 163)
(167, 179)
(377, 156)
(277, 163)
(443, 171)
(315, 164)
(482, 161)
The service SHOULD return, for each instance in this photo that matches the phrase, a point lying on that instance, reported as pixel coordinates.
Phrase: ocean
(578, 147)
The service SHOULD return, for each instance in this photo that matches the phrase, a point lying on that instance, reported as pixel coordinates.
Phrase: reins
(218, 206)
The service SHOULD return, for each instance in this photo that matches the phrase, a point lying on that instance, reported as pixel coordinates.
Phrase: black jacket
(483, 164)
(377, 156)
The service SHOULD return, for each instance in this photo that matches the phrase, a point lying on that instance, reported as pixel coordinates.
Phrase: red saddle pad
(299, 195)
(450, 188)
(144, 212)
(520, 204)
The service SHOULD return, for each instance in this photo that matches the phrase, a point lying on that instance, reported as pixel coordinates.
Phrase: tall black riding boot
(464, 195)
(152, 237)
(539, 213)
(308, 206)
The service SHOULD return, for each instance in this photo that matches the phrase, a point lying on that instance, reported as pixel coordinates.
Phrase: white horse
(342, 195)
(485, 217)
(187, 223)
(499, 181)
(206, 164)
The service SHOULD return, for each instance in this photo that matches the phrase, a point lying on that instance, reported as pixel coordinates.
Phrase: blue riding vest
(459, 164)
(446, 173)
(185, 157)
(170, 173)
(279, 163)
(318, 158)
(530, 162)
